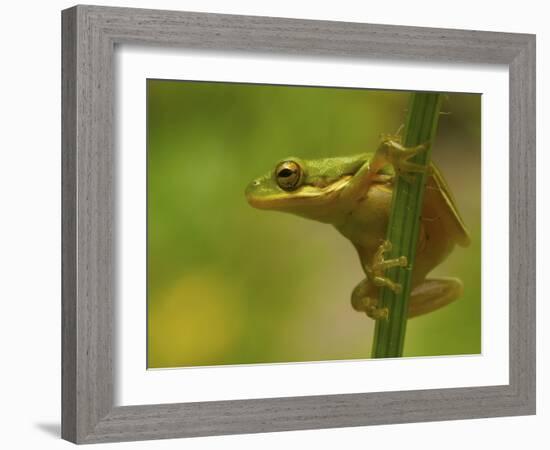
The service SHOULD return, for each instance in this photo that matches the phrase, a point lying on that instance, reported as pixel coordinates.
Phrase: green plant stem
(404, 225)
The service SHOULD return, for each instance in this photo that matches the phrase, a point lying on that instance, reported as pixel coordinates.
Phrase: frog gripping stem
(400, 157)
(410, 160)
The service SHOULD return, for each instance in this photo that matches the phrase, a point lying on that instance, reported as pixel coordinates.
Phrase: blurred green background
(229, 284)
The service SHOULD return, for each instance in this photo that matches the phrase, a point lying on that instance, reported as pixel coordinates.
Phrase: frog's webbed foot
(364, 296)
(376, 271)
(363, 299)
(394, 153)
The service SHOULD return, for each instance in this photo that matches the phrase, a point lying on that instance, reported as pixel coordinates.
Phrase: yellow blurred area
(195, 322)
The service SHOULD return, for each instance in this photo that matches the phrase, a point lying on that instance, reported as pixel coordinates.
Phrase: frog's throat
(306, 194)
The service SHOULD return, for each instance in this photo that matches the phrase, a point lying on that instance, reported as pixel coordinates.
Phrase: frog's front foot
(399, 157)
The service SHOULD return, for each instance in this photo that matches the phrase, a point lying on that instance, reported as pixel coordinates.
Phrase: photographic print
(294, 224)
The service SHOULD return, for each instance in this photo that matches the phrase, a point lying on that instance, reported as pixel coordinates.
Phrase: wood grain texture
(88, 304)
(68, 226)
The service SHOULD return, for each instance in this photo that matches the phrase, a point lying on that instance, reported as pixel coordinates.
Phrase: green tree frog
(354, 195)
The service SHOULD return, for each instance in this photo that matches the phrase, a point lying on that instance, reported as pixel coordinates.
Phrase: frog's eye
(288, 175)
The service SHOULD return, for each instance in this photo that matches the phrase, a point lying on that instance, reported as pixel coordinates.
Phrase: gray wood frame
(89, 37)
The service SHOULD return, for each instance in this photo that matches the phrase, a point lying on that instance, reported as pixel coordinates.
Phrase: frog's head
(308, 188)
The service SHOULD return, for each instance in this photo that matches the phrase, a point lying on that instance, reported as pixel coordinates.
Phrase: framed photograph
(278, 224)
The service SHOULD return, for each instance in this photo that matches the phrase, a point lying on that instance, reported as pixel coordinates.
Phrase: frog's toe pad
(377, 313)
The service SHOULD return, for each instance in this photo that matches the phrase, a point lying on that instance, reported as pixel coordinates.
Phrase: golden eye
(288, 175)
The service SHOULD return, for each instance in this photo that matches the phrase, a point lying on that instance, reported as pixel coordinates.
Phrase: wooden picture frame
(90, 34)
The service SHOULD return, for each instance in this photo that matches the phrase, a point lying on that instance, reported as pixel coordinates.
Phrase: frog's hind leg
(365, 295)
(433, 294)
